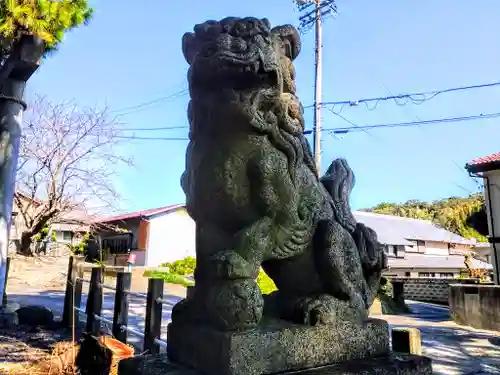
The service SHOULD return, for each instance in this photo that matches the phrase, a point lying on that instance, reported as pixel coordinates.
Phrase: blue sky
(131, 54)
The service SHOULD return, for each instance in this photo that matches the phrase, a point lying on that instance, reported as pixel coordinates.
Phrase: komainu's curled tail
(339, 181)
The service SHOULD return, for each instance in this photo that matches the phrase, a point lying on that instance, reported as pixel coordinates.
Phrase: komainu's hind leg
(339, 265)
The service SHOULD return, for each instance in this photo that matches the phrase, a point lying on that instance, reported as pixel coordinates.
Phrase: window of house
(407, 274)
(390, 250)
(421, 246)
(64, 236)
(426, 274)
(67, 235)
(120, 245)
(446, 275)
(400, 251)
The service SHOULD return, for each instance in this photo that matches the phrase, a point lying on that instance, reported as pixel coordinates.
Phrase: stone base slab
(391, 364)
(274, 347)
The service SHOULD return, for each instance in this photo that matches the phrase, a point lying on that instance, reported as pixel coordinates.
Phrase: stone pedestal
(278, 347)
(391, 364)
(274, 346)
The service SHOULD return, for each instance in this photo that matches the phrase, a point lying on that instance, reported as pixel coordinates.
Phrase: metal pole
(318, 87)
(11, 111)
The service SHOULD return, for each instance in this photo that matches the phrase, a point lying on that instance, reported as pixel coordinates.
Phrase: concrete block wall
(426, 290)
(477, 306)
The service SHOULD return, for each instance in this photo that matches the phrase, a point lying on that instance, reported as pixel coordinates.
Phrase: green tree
(46, 19)
(463, 216)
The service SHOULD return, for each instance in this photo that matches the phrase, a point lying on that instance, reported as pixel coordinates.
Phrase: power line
(354, 128)
(410, 112)
(151, 138)
(343, 130)
(416, 97)
(159, 128)
(410, 96)
(409, 124)
(353, 124)
(134, 108)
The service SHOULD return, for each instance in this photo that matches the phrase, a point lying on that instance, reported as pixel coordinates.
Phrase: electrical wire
(151, 138)
(423, 122)
(408, 124)
(154, 129)
(343, 130)
(353, 124)
(416, 97)
(134, 108)
(410, 112)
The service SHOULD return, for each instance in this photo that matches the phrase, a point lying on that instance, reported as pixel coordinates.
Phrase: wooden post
(77, 295)
(120, 316)
(398, 291)
(68, 296)
(94, 302)
(152, 329)
(7, 266)
(406, 340)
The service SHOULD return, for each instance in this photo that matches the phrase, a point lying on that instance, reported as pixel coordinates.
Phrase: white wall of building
(171, 237)
(436, 248)
(492, 194)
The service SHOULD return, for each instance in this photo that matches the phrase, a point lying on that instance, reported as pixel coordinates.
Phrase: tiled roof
(396, 230)
(144, 213)
(482, 163)
(436, 261)
(486, 159)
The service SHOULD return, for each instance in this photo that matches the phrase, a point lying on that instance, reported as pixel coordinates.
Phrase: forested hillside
(463, 216)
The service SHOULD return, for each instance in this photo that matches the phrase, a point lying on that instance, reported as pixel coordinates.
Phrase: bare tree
(67, 162)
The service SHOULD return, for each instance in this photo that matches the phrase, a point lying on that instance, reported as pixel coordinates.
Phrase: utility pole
(313, 13)
(318, 78)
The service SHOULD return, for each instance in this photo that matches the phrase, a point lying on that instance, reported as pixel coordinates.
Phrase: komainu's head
(241, 69)
(239, 53)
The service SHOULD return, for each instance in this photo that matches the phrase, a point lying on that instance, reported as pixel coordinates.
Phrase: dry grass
(59, 362)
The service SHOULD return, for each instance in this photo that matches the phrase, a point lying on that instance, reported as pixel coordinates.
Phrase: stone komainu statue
(255, 195)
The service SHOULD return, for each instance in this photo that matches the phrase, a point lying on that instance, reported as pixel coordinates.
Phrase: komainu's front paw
(234, 304)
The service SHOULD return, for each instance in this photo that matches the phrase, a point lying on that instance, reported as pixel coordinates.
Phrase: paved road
(455, 350)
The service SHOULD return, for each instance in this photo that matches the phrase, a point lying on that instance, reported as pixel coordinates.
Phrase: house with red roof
(488, 168)
(154, 236)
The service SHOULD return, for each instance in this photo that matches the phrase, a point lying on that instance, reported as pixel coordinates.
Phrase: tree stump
(93, 358)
